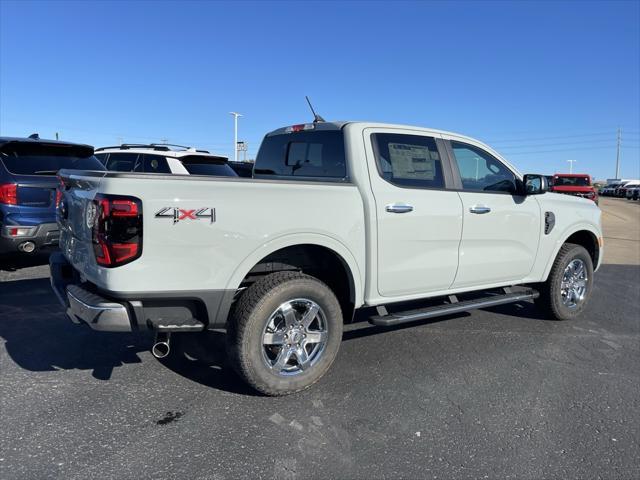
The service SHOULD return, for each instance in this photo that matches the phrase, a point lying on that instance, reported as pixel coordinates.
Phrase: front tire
(284, 333)
(566, 292)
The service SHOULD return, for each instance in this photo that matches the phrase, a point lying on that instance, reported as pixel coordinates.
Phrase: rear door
(501, 228)
(419, 219)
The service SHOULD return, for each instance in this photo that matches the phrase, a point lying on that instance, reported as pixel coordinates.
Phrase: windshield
(571, 182)
(43, 159)
(219, 170)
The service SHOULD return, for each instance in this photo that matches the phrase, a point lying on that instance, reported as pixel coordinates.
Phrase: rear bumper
(109, 311)
(96, 311)
(84, 306)
(45, 235)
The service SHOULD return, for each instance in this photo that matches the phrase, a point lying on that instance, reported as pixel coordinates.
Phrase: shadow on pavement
(11, 263)
(39, 337)
(202, 358)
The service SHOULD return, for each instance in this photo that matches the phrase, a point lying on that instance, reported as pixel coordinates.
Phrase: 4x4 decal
(180, 214)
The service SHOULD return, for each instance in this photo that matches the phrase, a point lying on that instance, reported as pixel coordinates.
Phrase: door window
(408, 160)
(480, 171)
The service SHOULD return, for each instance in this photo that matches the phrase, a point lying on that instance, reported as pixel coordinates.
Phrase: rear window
(571, 182)
(317, 154)
(44, 159)
(218, 170)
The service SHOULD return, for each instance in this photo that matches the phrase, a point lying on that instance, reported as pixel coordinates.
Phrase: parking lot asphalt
(499, 393)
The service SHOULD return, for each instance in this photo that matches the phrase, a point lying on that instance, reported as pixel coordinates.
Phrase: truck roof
(338, 125)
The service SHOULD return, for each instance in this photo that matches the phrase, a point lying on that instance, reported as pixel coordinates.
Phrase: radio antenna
(316, 118)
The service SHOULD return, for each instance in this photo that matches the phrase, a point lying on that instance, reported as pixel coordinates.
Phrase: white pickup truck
(338, 216)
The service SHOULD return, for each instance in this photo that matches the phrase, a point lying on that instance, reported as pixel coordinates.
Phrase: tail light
(9, 193)
(59, 191)
(116, 223)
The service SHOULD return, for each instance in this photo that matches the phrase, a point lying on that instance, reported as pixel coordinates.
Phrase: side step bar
(176, 325)
(453, 307)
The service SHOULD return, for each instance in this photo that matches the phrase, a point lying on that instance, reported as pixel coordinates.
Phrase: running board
(176, 325)
(453, 307)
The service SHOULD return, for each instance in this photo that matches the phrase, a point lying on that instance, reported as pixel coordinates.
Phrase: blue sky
(542, 82)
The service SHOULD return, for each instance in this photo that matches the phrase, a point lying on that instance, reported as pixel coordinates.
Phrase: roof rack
(168, 145)
(161, 147)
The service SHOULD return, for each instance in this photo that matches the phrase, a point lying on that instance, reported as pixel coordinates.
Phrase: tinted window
(155, 164)
(123, 162)
(408, 160)
(102, 157)
(42, 159)
(481, 171)
(219, 170)
(571, 181)
(303, 154)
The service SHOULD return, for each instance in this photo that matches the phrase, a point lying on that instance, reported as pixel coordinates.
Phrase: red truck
(578, 184)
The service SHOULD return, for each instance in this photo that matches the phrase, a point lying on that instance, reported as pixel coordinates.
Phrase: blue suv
(28, 190)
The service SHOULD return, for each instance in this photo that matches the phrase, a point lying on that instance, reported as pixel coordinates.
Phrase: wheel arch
(584, 235)
(329, 259)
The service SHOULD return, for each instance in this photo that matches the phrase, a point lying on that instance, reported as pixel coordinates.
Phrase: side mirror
(535, 184)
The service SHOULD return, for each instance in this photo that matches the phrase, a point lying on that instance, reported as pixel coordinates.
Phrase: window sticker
(413, 161)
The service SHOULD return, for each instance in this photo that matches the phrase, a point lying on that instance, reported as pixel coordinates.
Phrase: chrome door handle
(399, 208)
(479, 209)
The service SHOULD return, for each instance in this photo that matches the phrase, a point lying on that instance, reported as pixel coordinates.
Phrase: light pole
(571, 162)
(235, 134)
(618, 153)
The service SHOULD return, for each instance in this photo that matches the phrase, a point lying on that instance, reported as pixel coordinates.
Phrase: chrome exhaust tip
(27, 247)
(161, 347)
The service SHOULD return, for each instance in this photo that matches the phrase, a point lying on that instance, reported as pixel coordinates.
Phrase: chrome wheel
(574, 283)
(295, 337)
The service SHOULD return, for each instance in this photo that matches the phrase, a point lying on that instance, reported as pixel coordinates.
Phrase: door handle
(399, 208)
(479, 209)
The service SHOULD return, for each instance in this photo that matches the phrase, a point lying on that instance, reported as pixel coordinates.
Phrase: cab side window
(307, 154)
(408, 160)
(480, 171)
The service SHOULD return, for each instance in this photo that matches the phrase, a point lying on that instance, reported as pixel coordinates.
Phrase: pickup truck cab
(578, 184)
(338, 216)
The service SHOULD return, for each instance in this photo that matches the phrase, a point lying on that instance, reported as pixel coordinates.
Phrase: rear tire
(284, 333)
(566, 292)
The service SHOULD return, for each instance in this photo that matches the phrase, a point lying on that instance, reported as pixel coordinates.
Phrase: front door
(419, 221)
(501, 229)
